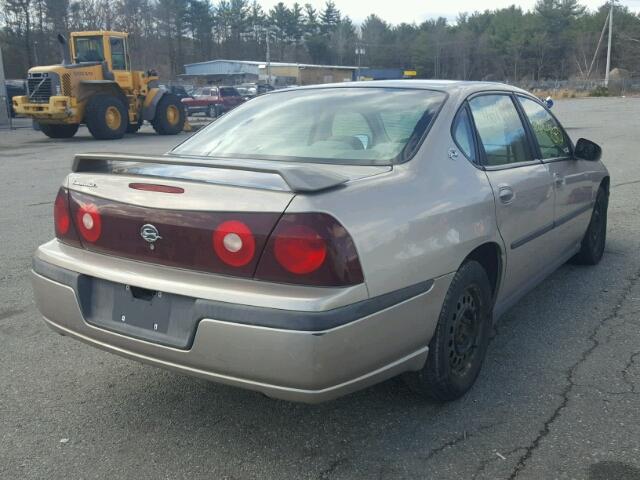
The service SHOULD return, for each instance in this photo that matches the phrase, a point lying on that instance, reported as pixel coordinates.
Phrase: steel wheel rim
(172, 114)
(465, 332)
(113, 118)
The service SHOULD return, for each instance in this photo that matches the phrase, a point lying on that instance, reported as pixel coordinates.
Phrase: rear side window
(228, 92)
(463, 134)
(551, 138)
(501, 132)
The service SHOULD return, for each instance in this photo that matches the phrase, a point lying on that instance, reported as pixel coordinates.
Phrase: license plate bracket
(150, 311)
(158, 317)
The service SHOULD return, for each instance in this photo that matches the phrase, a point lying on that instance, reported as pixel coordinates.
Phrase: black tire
(595, 238)
(459, 345)
(58, 131)
(106, 117)
(212, 111)
(170, 115)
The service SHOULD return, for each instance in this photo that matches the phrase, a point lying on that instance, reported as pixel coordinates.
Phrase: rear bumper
(58, 108)
(291, 364)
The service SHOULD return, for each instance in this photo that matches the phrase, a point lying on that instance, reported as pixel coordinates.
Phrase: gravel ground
(558, 397)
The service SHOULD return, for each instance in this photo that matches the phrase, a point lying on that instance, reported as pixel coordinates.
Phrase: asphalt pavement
(558, 397)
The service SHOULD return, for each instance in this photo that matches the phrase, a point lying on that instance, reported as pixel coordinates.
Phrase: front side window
(551, 138)
(500, 129)
(118, 54)
(351, 126)
(89, 49)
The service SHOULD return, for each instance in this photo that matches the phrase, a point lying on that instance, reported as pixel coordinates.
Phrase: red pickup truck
(212, 101)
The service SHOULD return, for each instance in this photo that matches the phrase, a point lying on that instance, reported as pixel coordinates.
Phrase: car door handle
(506, 194)
(558, 179)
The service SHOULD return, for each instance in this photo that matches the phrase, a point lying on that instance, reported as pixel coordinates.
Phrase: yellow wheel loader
(95, 85)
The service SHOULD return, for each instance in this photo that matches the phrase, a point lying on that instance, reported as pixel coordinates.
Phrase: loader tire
(170, 115)
(106, 117)
(58, 131)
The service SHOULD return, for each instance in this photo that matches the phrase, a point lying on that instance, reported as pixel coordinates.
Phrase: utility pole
(359, 52)
(606, 75)
(595, 55)
(268, 60)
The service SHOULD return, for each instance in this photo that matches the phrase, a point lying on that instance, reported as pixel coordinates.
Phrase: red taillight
(310, 249)
(297, 248)
(234, 243)
(89, 222)
(300, 249)
(61, 215)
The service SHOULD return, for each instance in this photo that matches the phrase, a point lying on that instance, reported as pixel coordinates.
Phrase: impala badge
(150, 234)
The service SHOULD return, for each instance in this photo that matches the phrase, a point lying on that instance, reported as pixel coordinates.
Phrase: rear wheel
(106, 117)
(170, 117)
(593, 243)
(459, 345)
(58, 131)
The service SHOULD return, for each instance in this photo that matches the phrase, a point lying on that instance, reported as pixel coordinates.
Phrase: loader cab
(109, 47)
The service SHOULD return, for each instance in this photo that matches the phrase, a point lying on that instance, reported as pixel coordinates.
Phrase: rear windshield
(352, 126)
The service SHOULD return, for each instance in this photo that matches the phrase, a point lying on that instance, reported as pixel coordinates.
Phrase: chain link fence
(584, 88)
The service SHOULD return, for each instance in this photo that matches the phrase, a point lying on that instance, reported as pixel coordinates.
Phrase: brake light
(310, 249)
(89, 222)
(153, 187)
(300, 249)
(62, 219)
(234, 243)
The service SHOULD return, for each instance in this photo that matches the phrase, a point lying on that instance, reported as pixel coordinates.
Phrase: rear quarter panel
(419, 221)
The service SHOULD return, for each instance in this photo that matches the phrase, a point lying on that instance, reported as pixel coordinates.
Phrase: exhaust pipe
(64, 49)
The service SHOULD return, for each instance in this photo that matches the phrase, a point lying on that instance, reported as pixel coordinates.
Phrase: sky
(398, 11)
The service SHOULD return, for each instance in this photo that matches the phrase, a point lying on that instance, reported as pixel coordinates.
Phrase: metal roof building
(222, 72)
(222, 67)
(281, 73)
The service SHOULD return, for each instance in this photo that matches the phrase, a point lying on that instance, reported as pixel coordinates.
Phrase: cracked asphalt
(558, 397)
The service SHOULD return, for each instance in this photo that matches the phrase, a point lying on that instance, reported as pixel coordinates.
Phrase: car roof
(449, 86)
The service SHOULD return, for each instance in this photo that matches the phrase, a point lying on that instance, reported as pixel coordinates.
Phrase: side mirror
(549, 102)
(587, 150)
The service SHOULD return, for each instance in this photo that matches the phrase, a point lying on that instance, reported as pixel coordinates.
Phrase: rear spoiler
(301, 178)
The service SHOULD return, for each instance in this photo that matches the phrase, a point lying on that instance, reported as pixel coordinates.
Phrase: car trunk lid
(166, 211)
